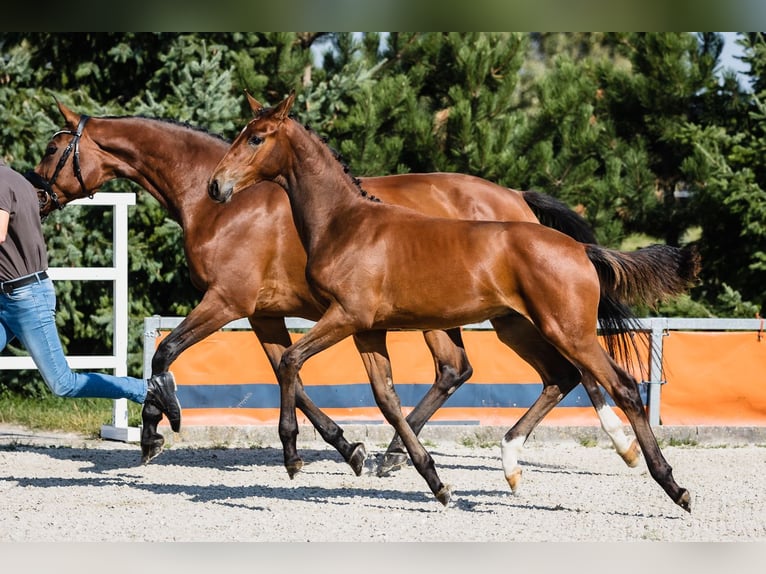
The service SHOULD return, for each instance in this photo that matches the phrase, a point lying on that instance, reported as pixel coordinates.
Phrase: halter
(46, 186)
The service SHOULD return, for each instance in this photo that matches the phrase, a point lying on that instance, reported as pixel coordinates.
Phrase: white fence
(118, 274)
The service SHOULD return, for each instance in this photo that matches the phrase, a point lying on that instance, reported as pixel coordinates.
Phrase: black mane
(339, 158)
(172, 122)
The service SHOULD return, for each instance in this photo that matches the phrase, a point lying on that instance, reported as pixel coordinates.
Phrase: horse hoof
(445, 494)
(294, 467)
(513, 478)
(152, 450)
(357, 458)
(392, 461)
(631, 456)
(685, 501)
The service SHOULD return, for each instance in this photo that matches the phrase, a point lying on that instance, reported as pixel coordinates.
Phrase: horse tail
(642, 277)
(554, 213)
(645, 276)
(618, 322)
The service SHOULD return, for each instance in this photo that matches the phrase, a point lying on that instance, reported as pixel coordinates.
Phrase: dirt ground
(65, 488)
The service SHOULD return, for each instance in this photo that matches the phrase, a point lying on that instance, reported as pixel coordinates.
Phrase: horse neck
(170, 161)
(322, 195)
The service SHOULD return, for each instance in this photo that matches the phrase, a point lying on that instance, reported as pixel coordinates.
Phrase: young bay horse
(380, 266)
(265, 281)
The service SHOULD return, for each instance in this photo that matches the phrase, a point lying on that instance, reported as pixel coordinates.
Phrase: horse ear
(255, 105)
(283, 109)
(70, 117)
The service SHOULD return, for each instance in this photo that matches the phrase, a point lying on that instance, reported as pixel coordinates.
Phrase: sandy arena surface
(56, 488)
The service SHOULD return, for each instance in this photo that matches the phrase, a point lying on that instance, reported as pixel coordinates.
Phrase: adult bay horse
(381, 267)
(265, 282)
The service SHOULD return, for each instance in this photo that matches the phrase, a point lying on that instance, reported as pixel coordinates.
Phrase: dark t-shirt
(23, 251)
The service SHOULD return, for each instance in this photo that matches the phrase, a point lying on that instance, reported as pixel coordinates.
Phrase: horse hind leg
(452, 370)
(611, 423)
(584, 350)
(559, 377)
(529, 344)
(628, 398)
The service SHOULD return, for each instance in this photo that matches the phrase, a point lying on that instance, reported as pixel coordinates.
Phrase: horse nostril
(213, 189)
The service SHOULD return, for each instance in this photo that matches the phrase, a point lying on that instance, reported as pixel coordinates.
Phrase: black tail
(619, 325)
(645, 276)
(556, 214)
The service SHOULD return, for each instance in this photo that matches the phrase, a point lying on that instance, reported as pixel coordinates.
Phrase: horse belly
(438, 296)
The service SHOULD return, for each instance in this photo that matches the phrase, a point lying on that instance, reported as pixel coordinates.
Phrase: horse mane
(339, 158)
(169, 121)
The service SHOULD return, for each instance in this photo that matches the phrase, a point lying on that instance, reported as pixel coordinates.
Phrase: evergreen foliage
(639, 133)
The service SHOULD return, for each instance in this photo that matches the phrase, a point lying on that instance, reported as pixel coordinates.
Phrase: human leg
(29, 312)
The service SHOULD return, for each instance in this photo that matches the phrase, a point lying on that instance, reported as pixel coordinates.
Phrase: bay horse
(380, 266)
(266, 281)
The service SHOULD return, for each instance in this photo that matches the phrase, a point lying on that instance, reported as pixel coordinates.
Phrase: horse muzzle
(219, 193)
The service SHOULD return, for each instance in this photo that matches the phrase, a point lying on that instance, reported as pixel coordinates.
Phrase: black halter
(46, 186)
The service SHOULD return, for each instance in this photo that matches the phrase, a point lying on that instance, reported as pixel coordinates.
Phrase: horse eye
(255, 140)
(50, 150)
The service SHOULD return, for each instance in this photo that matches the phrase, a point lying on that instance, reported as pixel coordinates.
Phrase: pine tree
(730, 201)
(634, 131)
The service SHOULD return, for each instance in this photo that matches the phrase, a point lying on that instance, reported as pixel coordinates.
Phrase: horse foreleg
(372, 346)
(329, 330)
(205, 319)
(275, 338)
(452, 370)
(611, 423)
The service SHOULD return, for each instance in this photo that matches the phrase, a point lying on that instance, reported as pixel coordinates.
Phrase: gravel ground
(57, 487)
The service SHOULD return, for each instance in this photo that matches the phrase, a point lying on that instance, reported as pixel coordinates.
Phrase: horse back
(451, 195)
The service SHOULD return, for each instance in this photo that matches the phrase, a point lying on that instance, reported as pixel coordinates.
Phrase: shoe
(161, 393)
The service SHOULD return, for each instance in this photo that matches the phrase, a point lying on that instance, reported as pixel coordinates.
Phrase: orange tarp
(228, 357)
(712, 378)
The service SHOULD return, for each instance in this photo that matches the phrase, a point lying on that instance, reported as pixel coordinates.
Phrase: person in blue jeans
(28, 308)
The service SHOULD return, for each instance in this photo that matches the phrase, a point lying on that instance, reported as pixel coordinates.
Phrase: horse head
(59, 177)
(258, 153)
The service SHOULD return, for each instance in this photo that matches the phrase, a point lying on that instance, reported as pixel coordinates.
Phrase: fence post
(151, 332)
(658, 327)
(119, 429)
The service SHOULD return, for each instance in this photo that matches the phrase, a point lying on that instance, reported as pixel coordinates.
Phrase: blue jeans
(29, 315)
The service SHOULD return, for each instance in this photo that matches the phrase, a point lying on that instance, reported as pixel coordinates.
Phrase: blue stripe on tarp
(473, 395)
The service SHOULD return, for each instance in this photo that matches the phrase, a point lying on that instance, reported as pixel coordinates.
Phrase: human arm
(4, 219)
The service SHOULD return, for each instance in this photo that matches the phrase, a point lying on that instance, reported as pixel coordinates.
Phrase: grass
(588, 441)
(83, 416)
(479, 439)
(672, 441)
(638, 240)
